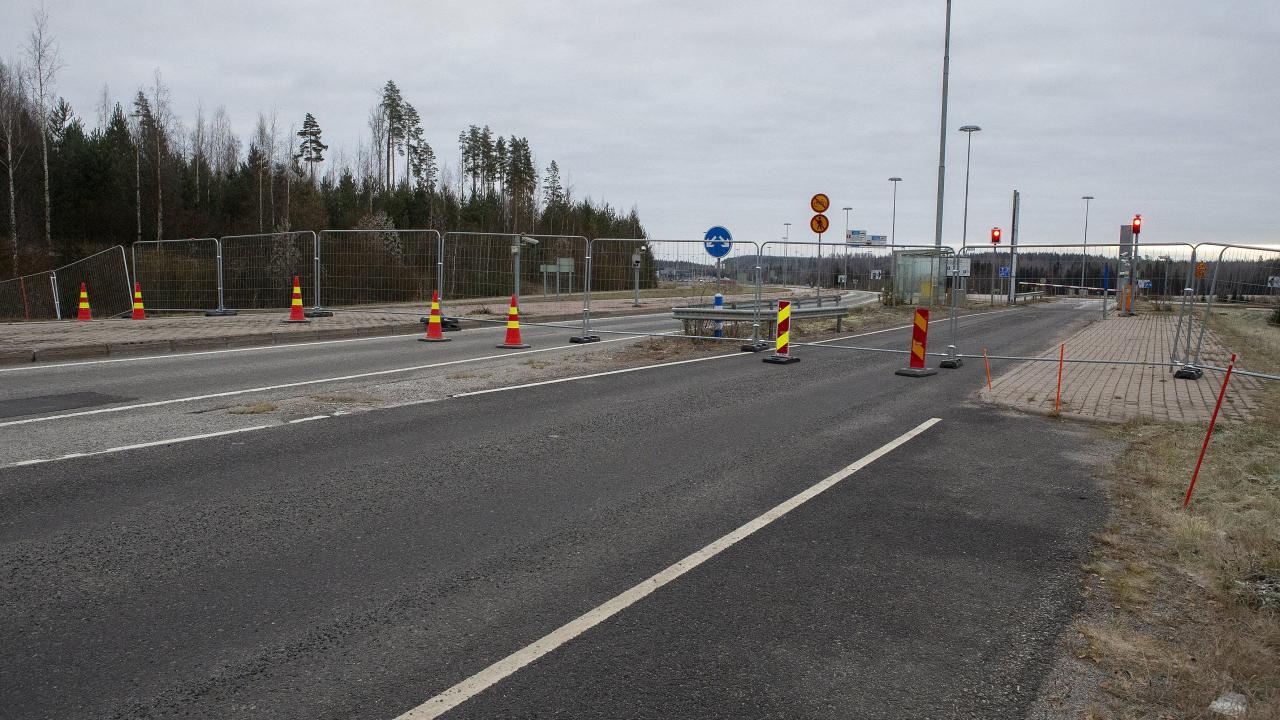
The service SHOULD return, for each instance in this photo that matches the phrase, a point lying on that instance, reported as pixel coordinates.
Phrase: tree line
(136, 171)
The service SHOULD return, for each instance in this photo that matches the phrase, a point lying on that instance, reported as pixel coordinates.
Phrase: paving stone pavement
(1118, 393)
(160, 333)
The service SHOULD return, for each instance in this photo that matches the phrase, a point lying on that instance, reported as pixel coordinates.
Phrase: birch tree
(43, 64)
(161, 121)
(13, 108)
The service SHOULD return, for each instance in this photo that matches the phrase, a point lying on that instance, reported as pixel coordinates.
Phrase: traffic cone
(435, 331)
(83, 312)
(513, 327)
(139, 312)
(295, 305)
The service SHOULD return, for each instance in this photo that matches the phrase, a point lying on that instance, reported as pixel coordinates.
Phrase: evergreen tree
(311, 150)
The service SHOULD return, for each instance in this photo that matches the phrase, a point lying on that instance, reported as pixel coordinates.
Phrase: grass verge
(1185, 605)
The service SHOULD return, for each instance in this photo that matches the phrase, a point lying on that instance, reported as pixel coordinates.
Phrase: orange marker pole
(1214, 418)
(987, 364)
(1057, 399)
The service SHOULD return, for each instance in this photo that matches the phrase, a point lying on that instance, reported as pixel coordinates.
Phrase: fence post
(1208, 306)
(222, 307)
(57, 304)
(128, 286)
(953, 360)
(318, 310)
(586, 336)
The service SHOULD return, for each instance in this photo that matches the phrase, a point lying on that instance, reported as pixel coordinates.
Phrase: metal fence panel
(484, 265)
(378, 267)
(105, 276)
(29, 297)
(258, 270)
(177, 274)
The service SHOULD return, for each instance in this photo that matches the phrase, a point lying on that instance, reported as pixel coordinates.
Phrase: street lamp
(968, 130)
(893, 225)
(786, 245)
(846, 246)
(1084, 260)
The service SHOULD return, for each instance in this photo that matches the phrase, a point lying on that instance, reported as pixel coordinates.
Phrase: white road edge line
(262, 348)
(154, 443)
(495, 673)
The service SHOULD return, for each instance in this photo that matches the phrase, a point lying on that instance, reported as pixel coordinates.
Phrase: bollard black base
(951, 363)
(317, 312)
(219, 313)
(584, 339)
(1189, 372)
(781, 360)
(915, 372)
(755, 347)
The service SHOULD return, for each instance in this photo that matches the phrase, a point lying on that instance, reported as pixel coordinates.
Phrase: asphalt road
(357, 566)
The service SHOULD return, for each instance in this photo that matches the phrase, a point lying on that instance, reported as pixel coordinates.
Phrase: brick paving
(160, 333)
(1117, 393)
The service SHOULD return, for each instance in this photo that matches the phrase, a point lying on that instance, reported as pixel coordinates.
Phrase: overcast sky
(702, 112)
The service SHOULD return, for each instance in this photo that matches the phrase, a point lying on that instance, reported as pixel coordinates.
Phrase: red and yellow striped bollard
(919, 341)
(782, 348)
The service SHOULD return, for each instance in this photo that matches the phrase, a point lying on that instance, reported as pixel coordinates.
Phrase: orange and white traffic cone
(83, 312)
(295, 305)
(513, 327)
(435, 330)
(139, 312)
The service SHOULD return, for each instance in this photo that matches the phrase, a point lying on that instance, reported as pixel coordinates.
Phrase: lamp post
(846, 245)
(786, 245)
(968, 130)
(893, 225)
(1084, 259)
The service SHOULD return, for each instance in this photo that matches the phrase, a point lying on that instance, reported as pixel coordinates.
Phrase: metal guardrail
(741, 314)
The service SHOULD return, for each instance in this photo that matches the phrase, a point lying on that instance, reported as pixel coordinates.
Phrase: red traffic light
(995, 236)
(1137, 224)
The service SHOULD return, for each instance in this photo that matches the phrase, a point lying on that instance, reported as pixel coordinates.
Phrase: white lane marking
(263, 348)
(138, 446)
(474, 685)
(306, 419)
(340, 413)
(300, 383)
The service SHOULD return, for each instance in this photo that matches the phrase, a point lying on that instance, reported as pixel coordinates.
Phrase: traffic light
(995, 236)
(1137, 224)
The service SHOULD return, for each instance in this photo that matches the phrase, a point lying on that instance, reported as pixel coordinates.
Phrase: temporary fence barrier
(105, 274)
(494, 265)
(1226, 275)
(29, 297)
(179, 275)
(258, 270)
(378, 267)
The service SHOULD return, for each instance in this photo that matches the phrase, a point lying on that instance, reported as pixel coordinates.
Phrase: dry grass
(259, 408)
(1185, 604)
(346, 398)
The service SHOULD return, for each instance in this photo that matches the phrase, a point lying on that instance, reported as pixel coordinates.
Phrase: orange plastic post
(987, 364)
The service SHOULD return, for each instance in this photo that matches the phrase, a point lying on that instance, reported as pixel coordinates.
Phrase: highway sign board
(1273, 281)
(879, 240)
(856, 237)
(1144, 284)
(547, 268)
(820, 203)
(566, 264)
(819, 223)
(1200, 269)
(1004, 271)
(877, 274)
(842, 279)
(717, 241)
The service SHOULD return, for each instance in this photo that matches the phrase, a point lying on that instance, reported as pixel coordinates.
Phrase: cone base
(513, 346)
(1189, 372)
(584, 339)
(288, 320)
(316, 312)
(427, 339)
(951, 363)
(754, 347)
(781, 359)
(915, 372)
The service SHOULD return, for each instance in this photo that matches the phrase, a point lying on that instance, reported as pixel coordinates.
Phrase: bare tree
(261, 138)
(43, 64)
(199, 145)
(162, 120)
(105, 107)
(139, 126)
(13, 107)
